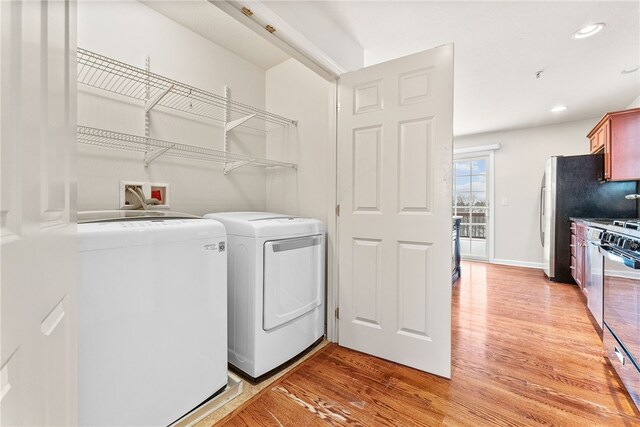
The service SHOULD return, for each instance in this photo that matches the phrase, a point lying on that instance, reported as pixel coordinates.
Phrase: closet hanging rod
(118, 77)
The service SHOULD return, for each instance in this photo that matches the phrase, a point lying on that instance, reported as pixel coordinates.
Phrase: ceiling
(499, 47)
(213, 24)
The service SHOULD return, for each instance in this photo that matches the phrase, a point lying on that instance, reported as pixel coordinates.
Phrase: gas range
(633, 224)
(620, 270)
(623, 237)
(628, 227)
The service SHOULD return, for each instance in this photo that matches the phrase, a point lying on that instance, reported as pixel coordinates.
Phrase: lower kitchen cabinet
(578, 254)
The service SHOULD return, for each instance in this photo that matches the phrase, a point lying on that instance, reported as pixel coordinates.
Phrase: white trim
(293, 37)
(333, 286)
(515, 263)
(285, 37)
(489, 152)
(492, 205)
(477, 149)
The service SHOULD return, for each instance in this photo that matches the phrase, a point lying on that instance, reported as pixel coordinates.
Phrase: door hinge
(247, 11)
(338, 107)
(338, 313)
(338, 209)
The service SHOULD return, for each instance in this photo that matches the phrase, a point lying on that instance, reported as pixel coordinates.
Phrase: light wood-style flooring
(524, 353)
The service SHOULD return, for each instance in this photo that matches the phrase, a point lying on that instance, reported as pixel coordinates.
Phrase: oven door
(622, 316)
(622, 298)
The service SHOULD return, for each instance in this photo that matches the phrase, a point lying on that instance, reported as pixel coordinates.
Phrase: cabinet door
(596, 143)
(580, 264)
(605, 137)
(37, 229)
(593, 144)
(624, 146)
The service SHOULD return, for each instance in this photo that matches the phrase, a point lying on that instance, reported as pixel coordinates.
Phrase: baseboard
(514, 263)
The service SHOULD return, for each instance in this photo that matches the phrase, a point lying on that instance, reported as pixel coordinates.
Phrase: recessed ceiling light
(588, 31)
(558, 108)
(629, 70)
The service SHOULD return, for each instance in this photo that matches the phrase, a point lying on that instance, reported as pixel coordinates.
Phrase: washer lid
(128, 233)
(267, 224)
(125, 215)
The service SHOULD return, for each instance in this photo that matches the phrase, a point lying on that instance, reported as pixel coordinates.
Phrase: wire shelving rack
(153, 148)
(154, 90)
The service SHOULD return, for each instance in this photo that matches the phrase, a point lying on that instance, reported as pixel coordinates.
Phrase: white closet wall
(128, 31)
(295, 91)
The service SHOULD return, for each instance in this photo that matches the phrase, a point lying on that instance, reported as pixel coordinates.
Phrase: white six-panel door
(394, 189)
(37, 220)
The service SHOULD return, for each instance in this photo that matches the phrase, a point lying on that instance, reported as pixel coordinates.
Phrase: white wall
(128, 31)
(519, 166)
(297, 92)
(635, 103)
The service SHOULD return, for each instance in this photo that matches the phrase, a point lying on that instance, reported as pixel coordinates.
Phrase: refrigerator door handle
(542, 191)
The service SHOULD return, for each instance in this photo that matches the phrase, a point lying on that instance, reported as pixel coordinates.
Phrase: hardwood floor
(524, 353)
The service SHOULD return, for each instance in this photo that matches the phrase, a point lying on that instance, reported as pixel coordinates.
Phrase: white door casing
(394, 188)
(37, 213)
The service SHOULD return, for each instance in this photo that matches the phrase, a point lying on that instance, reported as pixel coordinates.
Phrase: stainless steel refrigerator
(572, 186)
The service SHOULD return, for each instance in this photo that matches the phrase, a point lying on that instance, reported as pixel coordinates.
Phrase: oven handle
(607, 251)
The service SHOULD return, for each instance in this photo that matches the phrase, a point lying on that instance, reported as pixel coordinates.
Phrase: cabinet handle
(573, 246)
(572, 267)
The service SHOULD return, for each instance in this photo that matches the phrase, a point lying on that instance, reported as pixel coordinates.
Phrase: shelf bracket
(150, 157)
(228, 167)
(234, 124)
(227, 115)
(154, 102)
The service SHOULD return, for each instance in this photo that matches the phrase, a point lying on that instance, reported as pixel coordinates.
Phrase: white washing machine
(152, 319)
(276, 287)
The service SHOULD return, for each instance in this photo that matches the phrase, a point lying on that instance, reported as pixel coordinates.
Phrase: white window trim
(482, 151)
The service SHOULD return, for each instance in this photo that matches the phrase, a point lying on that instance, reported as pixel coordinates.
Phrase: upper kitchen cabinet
(618, 134)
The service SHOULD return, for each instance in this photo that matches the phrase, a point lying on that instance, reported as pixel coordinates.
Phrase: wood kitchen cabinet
(618, 135)
(578, 254)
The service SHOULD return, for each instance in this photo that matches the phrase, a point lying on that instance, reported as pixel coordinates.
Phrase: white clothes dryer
(276, 277)
(152, 319)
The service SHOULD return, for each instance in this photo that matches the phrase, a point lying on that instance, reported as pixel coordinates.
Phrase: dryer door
(293, 279)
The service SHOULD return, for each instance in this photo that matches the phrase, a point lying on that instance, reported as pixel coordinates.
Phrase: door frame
(484, 151)
(333, 286)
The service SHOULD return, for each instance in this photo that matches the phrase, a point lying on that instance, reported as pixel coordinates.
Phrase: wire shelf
(154, 148)
(118, 77)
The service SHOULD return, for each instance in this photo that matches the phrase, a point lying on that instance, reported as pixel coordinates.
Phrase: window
(470, 202)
